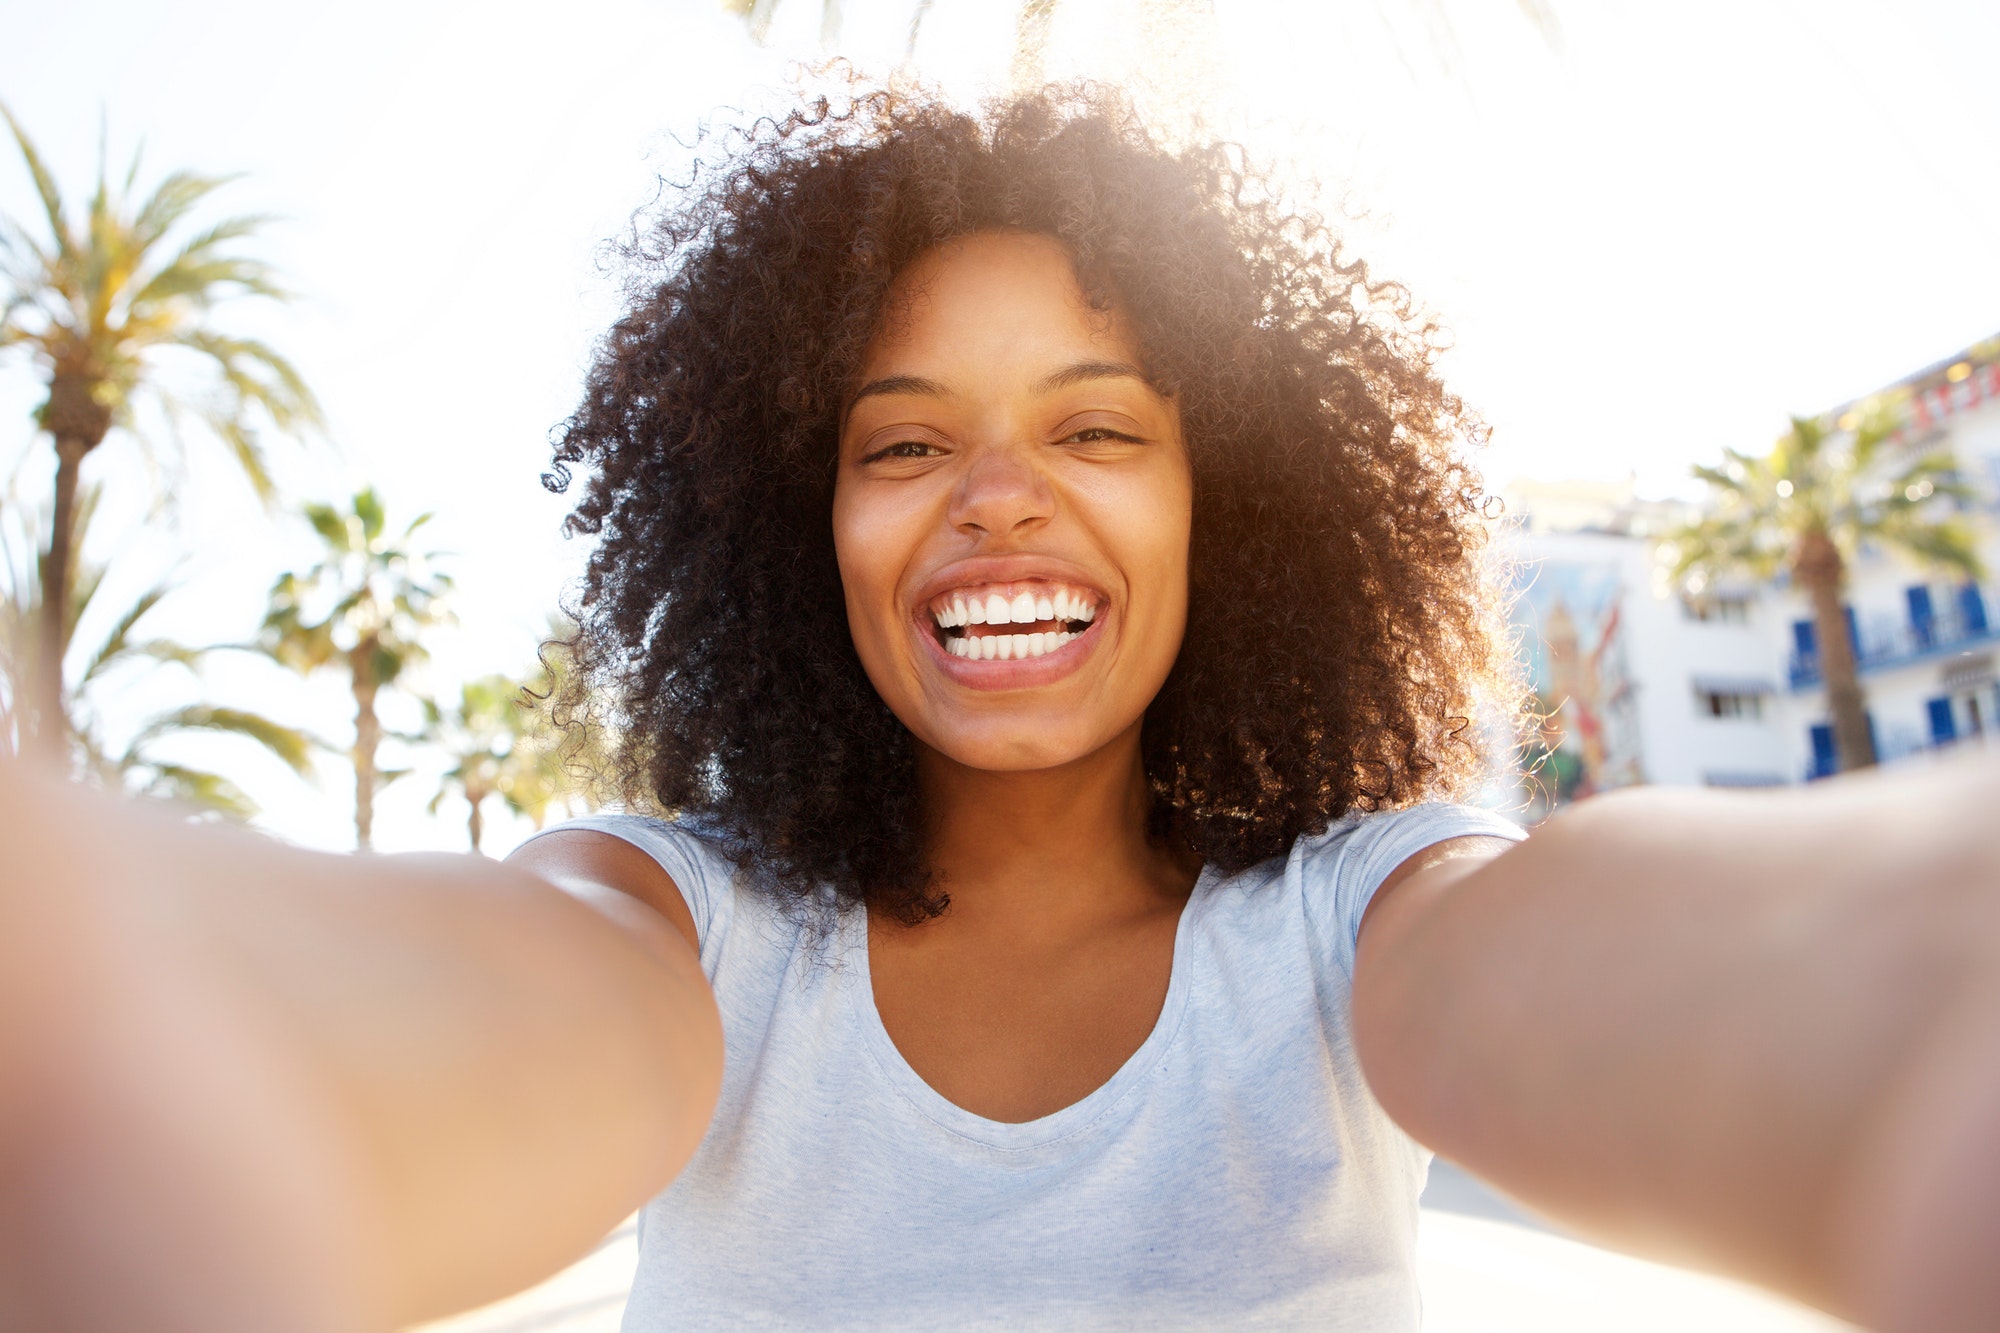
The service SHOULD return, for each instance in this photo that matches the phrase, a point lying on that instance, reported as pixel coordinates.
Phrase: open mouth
(1007, 622)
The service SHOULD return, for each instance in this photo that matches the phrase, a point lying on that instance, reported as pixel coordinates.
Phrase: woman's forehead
(986, 292)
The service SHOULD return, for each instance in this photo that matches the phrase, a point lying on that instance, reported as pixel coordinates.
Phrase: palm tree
(492, 737)
(479, 736)
(362, 610)
(105, 305)
(110, 662)
(1803, 510)
(503, 742)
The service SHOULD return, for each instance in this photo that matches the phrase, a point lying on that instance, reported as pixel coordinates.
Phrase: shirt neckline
(1044, 1130)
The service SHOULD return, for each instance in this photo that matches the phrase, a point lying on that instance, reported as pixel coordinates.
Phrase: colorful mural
(1589, 738)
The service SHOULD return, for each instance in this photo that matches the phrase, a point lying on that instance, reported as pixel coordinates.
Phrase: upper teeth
(1023, 608)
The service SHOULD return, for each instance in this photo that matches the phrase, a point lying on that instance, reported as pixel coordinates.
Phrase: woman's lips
(1047, 654)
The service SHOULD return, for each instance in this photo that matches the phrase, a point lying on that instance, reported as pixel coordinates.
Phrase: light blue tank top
(1235, 1172)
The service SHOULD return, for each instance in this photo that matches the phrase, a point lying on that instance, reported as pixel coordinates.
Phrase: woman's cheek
(871, 549)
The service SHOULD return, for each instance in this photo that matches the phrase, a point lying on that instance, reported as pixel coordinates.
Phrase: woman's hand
(1759, 1034)
(244, 1086)
(165, 1162)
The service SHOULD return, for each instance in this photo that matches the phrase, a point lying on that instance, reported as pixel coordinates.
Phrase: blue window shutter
(1942, 729)
(1923, 617)
(1972, 609)
(1853, 632)
(1824, 762)
(1803, 638)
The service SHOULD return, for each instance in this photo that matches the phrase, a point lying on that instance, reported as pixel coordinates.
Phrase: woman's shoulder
(1334, 874)
(1370, 844)
(696, 855)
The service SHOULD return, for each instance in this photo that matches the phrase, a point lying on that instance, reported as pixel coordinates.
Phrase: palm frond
(244, 447)
(201, 790)
(291, 745)
(1542, 15)
(368, 508)
(331, 525)
(258, 374)
(118, 644)
(45, 185)
(1947, 543)
(198, 252)
(172, 199)
(201, 279)
(25, 263)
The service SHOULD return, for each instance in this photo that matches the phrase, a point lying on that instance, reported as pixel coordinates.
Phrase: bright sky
(1652, 239)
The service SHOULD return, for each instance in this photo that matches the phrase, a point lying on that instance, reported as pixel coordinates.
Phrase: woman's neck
(1051, 849)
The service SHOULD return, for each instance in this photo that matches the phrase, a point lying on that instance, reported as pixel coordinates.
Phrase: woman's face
(1011, 510)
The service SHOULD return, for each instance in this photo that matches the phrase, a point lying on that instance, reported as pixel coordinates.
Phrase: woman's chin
(1008, 748)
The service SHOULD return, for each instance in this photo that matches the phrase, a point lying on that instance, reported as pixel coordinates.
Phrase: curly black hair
(1340, 630)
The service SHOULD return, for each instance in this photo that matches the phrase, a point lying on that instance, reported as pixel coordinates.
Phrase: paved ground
(1485, 1265)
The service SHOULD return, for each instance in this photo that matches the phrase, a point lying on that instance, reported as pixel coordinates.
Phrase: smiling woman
(1038, 591)
(1200, 372)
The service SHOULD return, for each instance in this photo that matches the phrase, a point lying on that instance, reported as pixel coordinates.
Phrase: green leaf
(201, 789)
(45, 185)
(293, 747)
(368, 508)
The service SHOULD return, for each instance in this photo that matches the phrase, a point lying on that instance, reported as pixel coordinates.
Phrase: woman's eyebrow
(898, 384)
(1090, 370)
(1078, 373)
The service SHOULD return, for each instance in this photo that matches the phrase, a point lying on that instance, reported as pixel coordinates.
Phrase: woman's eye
(1099, 434)
(902, 449)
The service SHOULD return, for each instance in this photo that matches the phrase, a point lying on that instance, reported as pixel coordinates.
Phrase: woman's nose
(1000, 492)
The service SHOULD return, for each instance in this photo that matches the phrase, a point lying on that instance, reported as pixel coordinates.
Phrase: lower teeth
(987, 647)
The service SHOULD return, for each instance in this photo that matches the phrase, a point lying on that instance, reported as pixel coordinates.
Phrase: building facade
(1642, 681)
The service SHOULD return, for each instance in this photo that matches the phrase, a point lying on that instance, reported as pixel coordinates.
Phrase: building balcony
(1894, 749)
(1883, 648)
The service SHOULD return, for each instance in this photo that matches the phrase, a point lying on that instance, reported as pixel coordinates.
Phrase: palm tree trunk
(51, 701)
(475, 823)
(79, 423)
(367, 738)
(1821, 571)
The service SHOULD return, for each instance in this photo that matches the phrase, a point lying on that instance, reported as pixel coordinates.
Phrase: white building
(1647, 684)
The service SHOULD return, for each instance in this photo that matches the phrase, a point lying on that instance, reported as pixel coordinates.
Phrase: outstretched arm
(1754, 1033)
(244, 1086)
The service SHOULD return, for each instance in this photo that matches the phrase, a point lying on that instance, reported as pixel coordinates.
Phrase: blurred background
(296, 294)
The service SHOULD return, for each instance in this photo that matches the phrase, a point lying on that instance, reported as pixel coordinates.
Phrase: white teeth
(1061, 606)
(1007, 647)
